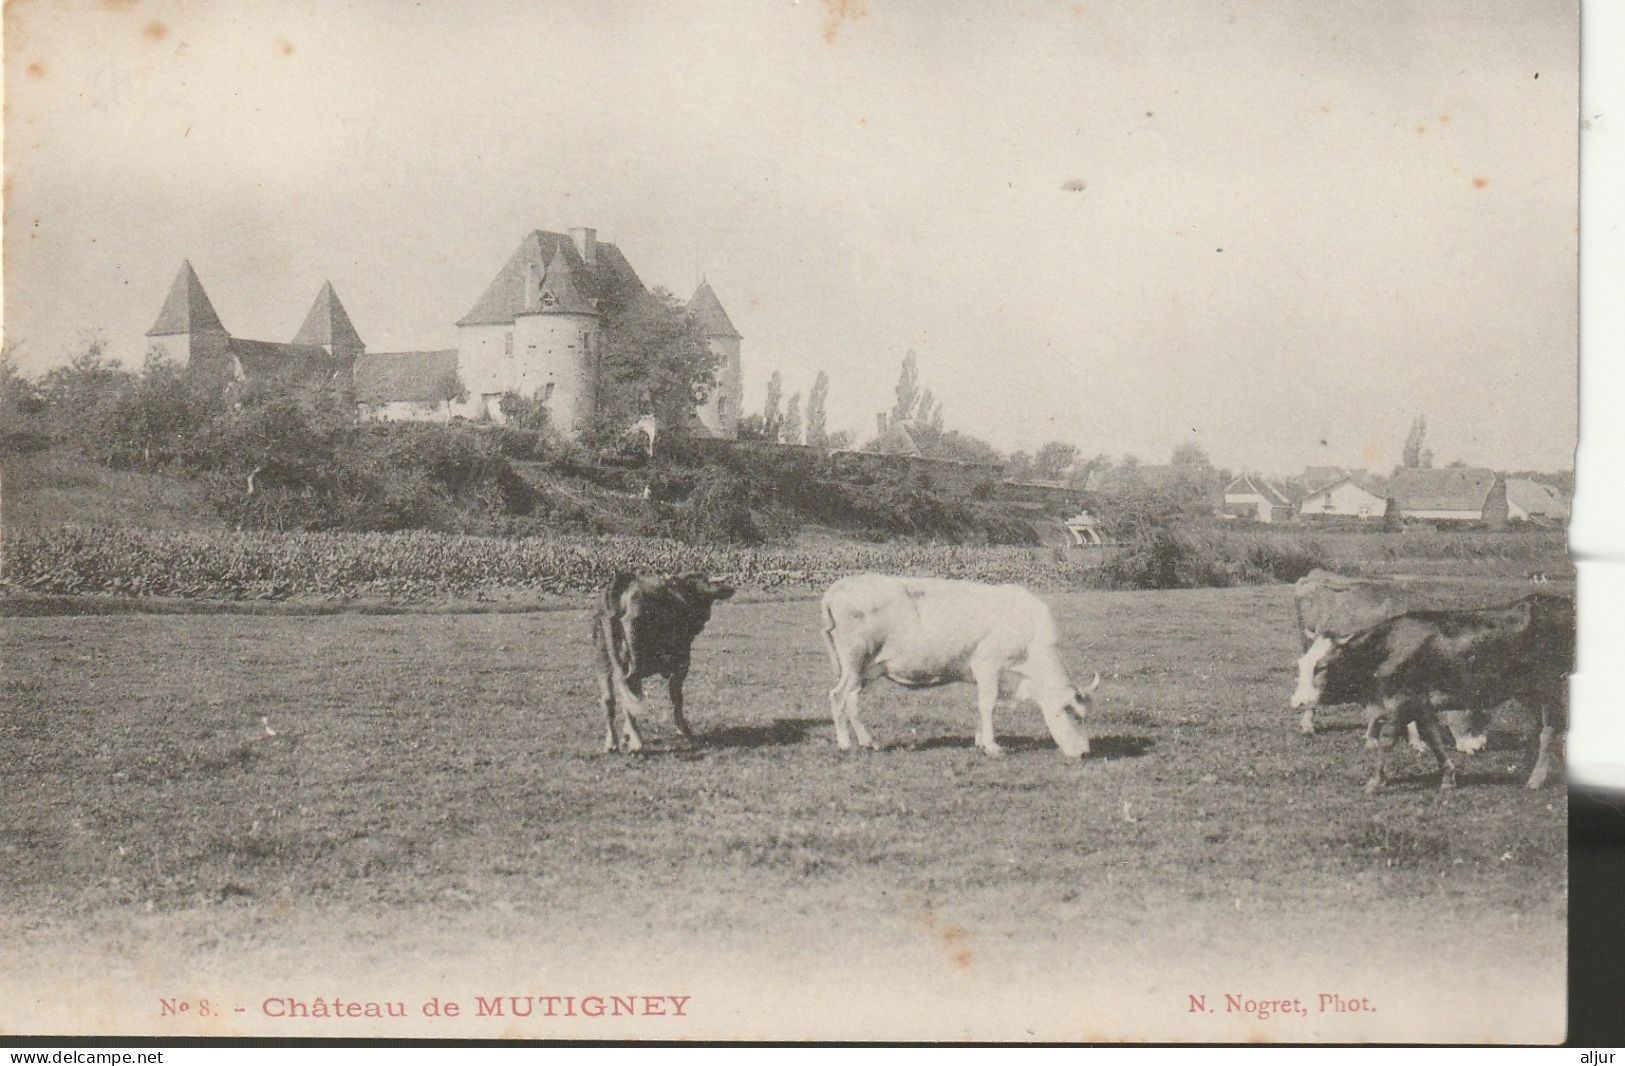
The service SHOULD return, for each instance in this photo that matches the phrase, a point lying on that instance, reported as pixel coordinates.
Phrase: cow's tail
(611, 638)
(829, 639)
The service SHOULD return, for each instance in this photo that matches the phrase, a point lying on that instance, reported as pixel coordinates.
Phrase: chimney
(533, 287)
(586, 241)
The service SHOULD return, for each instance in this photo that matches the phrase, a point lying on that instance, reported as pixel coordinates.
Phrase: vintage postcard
(848, 520)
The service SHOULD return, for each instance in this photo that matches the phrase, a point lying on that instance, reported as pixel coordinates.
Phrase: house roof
(1456, 488)
(1248, 485)
(328, 323)
(1535, 498)
(1315, 478)
(187, 309)
(608, 281)
(274, 361)
(707, 310)
(1374, 486)
(403, 377)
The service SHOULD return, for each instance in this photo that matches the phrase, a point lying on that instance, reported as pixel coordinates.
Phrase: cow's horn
(1092, 686)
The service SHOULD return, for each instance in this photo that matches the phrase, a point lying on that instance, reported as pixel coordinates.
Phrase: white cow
(923, 632)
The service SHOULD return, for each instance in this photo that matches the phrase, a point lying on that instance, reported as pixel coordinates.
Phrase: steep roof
(609, 281)
(1374, 486)
(1247, 485)
(559, 283)
(1457, 488)
(707, 310)
(187, 309)
(1315, 478)
(328, 323)
(403, 377)
(1535, 498)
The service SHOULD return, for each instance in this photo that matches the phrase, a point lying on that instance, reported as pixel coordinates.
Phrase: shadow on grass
(1113, 747)
(780, 732)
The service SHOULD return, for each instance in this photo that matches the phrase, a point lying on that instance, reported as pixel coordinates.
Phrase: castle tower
(328, 326)
(557, 342)
(720, 412)
(188, 331)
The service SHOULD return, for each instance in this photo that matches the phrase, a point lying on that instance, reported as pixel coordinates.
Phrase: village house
(537, 332)
(1252, 497)
(1452, 494)
(1533, 501)
(1351, 496)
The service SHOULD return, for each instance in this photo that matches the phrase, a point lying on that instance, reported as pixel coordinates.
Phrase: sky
(1282, 229)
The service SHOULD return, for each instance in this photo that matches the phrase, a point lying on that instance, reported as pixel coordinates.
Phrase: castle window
(547, 392)
(549, 300)
(507, 343)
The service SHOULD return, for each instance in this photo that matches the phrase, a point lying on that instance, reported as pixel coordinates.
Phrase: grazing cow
(923, 632)
(1332, 605)
(645, 626)
(1423, 661)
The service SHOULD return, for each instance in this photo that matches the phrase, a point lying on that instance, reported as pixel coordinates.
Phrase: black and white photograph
(798, 520)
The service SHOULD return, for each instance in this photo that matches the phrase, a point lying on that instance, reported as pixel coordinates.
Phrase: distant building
(538, 331)
(189, 332)
(1453, 494)
(1351, 496)
(1315, 478)
(1533, 501)
(1255, 498)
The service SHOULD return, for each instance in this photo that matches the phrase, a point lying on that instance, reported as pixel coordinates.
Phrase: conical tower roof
(328, 323)
(187, 310)
(708, 310)
(560, 283)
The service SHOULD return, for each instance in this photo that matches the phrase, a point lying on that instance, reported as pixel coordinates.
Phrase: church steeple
(187, 310)
(328, 326)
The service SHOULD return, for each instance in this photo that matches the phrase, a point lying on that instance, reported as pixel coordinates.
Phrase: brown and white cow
(924, 632)
(1421, 662)
(645, 627)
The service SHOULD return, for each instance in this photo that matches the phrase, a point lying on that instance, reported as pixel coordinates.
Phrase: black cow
(1423, 661)
(645, 626)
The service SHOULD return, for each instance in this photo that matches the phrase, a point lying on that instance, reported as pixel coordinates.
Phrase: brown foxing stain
(837, 12)
(1326, 109)
(36, 69)
(1423, 128)
(1479, 183)
(1444, 117)
(155, 31)
(284, 47)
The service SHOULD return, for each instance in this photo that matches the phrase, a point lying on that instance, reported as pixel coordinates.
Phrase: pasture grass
(442, 772)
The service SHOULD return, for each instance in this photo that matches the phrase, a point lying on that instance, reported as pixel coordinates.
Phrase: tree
(1019, 466)
(838, 440)
(1416, 457)
(929, 411)
(908, 389)
(1053, 459)
(817, 417)
(791, 433)
(772, 419)
(656, 361)
(77, 396)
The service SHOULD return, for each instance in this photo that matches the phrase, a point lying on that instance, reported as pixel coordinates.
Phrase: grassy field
(432, 813)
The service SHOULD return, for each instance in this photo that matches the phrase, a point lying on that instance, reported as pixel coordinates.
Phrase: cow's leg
(1397, 718)
(1414, 733)
(632, 697)
(1551, 722)
(1428, 725)
(987, 697)
(845, 691)
(1373, 726)
(606, 696)
(1306, 722)
(858, 731)
(674, 686)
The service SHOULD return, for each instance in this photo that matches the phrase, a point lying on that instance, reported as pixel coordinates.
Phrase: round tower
(557, 340)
